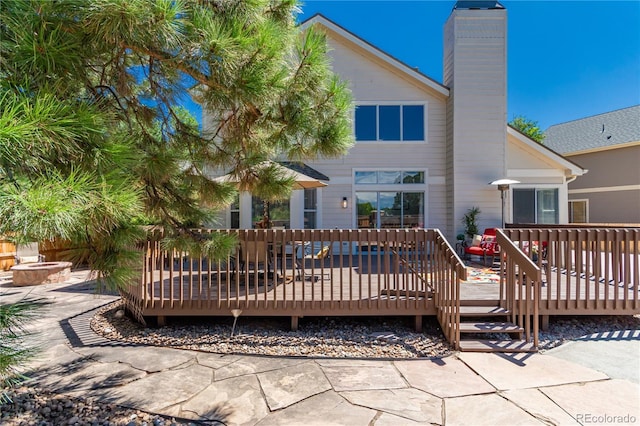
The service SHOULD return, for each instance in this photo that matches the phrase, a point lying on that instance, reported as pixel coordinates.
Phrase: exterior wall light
(345, 202)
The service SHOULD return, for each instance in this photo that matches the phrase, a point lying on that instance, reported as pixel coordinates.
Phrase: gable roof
(375, 51)
(571, 167)
(613, 129)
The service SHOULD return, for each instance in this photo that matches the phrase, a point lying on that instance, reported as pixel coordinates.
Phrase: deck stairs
(486, 328)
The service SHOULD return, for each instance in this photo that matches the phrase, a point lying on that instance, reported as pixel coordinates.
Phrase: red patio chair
(488, 247)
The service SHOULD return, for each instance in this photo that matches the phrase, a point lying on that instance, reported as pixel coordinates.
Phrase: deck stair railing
(449, 271)
(508, 322)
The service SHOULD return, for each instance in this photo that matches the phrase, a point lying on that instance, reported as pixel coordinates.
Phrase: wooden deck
(352, 282)
(561, 292)
(413, 272)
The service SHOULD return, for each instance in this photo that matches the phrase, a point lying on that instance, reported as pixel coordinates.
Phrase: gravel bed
(31, 406)
(346, 337)
(350, 337)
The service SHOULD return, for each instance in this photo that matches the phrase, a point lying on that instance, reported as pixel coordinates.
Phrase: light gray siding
(372, 81)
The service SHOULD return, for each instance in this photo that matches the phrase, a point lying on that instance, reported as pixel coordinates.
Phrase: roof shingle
(599, 131)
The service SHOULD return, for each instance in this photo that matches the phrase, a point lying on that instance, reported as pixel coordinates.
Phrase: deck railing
(449, 271)
(286, 273)
(585, 271)
(520, 282)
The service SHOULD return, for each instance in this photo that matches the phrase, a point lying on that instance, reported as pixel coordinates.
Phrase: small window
(390, 123)
(310, 208)
(366, 123)
(578, 211)
(413, 123)
(388, 177)
(234, 209)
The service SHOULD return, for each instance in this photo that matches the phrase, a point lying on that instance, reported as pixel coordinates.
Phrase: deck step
(490, 327)
(483, 311)
(496, 346)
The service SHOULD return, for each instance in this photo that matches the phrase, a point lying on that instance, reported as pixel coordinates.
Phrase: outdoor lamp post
(503, 186)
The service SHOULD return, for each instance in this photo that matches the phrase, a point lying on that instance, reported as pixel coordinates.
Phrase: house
(609, 146)
(426, 151)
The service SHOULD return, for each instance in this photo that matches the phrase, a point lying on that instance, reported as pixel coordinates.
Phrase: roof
(377, 52)
(598, 132)
(304, 169)
(478, 5)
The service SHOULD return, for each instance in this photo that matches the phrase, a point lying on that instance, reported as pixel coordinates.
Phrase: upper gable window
(390, 123)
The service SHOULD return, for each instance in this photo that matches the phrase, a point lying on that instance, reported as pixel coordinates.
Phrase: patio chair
(28, 253)
(311, 259)
(488, 247)
(254, 253)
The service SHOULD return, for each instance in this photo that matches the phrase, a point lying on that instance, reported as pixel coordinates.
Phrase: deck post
(544, 322)
(161, 320)
(294, 323)
(418, 323)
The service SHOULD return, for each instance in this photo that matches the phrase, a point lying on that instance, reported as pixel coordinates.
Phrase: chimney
(475, 70)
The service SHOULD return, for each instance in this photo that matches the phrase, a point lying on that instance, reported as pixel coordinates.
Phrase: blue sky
(566, 59)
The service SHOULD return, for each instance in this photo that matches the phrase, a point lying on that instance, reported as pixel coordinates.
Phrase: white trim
(535, 173)
(321, 20)
(605, 189)
(296, 209)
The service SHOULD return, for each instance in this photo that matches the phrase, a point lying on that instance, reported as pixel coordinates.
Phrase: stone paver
(521, 371)
(146, 358)
(489, 409)
(235, 401)
(568, 385)
(245, 365)
(81, 376)
(429, 375)
(324, 409)
(215, 361)
(163, 389)
(407, 404)
(289, 385)
(346, 378)
(605, 402)
(539, 406)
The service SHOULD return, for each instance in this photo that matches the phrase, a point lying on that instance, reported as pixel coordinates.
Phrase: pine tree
(94, 142)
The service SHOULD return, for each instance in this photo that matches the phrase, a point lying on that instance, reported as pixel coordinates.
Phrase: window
(388, 177)
(535, 205)
(234, 210)
(390, 123)
(578, 211)
(390, 209)
(278, 211)
(310, 208)
(389, 199)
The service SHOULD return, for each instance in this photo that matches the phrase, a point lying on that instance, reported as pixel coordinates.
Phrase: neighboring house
(426, 151)
(608, 145)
